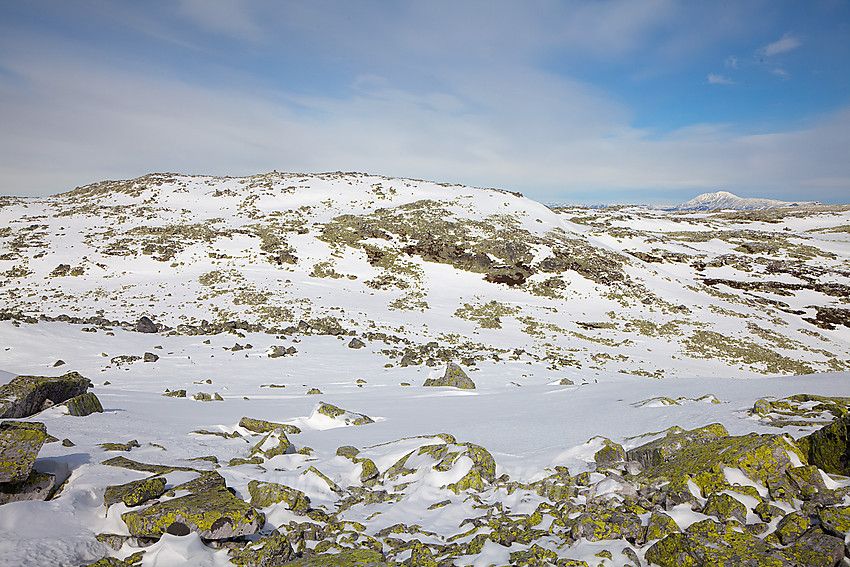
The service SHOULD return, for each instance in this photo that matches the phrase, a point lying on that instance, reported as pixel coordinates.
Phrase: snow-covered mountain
(320, 305)
(726, 200)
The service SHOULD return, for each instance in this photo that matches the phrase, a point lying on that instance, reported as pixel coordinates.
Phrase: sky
(566, 101)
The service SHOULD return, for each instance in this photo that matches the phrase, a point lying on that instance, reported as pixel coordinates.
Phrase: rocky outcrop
(453, 376)
(84, 404)
(344, 416)
(27, 395)
(829, 447)
(135, 493)
(267, 493)
(20, 443)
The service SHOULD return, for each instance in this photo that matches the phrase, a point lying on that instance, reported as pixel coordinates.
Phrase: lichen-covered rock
(368, 471)
(26, 395)
(483, 469)
(270, 551)
(659, 526)
(348, 451)
(835, 520)
(20, 443)
(37, 486)
(601, 524)
(453, 376)
(815, 549)
(667, 448)
(84, 404)
(725, 507)
(807, 479)
(134, 493)
(828, 448)
(762, 458)
(262, 426)
(206, 482)
(267, 493)
(268, 448)
(345, 558)
(349, 417)
(792, 526)
(109, 562)
(215, 514)
(609, 453)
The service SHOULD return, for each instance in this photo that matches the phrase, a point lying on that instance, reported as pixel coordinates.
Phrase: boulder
(666, 448)
(20, 443)
(356, 343)
(27, 395)
(216, 514)
(267, 493)
(828, 448)
(262, 426)
(145, 325)
(135, 493)
(345, 558)
(151, 357)
(453, 376)
(84, 404)
(270, 551)
(349, 417)
(37, 486)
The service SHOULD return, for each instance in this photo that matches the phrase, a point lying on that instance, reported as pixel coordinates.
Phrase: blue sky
(576, 101)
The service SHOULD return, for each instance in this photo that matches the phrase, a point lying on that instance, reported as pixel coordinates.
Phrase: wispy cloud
(731, 62)
(787, 43)
(781, 73)
(715, 79)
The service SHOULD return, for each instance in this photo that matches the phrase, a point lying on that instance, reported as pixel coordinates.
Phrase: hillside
(727, 201)
(286, 330)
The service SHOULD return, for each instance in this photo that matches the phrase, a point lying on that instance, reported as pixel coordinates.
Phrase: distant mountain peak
(727, 200)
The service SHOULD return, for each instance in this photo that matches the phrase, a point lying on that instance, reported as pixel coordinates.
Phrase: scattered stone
(20, 443)
(216, 514)
(119, 446)
(135, 493)
(145, 325)
(453, 376)
(83, 405)
(356, 343)
(175, 393)
(27, 395)
(68, 443)
(313, 391)
(151, 357)
(59, 362)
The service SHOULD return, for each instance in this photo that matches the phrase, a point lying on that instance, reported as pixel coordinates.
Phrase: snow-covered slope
(574, 324)
(728, 201)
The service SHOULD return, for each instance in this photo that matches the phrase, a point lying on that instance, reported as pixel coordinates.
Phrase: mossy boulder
(725, 507)
(337, 413)
(829, 447)
(27, 395)
(83, 405)
(20, 443)
(263, 426)
(268, 448)
(609, 453)
(216, 514)
(792, 526)
(269, 551)
(453, 376)
(835, 520)
(668, 447)
(605, 523)
(267, 493)
(482, 472)
(660, 525)
(135, 493)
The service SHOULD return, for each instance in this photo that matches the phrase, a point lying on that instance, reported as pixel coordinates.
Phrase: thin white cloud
(781, 73)
(731, 62)
(715, 79)
(787, 43)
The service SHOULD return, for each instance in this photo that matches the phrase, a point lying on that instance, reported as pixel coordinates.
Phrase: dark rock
(828, 448)
(135, 493)
(37, 486)
(356, 343)
(267, 493)
(26, 395)
(270, 551)
(151, 357)
(59, 362)
(666, 448)
(145, 325)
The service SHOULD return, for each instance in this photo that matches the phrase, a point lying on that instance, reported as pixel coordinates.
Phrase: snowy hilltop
(724, 200)
(342, 368)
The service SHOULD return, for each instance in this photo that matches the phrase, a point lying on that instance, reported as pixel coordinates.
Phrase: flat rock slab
(135, 492)
(215, 514)
(37, 486)
(27, 395)
(20, 443)
(84, 404)
(347, 558)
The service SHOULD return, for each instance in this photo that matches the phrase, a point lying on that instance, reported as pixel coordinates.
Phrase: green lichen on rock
(609, 453)
(453, 376)
(835, 520)
(27, 395)
(829, 447)
(725, 507)
(345, 558)
(135, 492)
(263, 426)
(119, 446)
(216, 514)
(36, 486)
(270, 551)
(126, 463)
(269, 450)
(20, 443)
(666, 448)
(660, 525)
(349, 417)
(84, 404)
(483, 469)
(807, 479)
(267, 493)
(792, 526)
(607, 523)
(800, 410)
